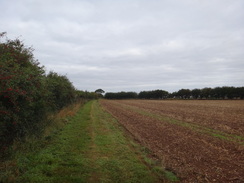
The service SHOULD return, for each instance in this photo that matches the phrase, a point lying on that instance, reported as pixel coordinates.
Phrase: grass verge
(91, 147)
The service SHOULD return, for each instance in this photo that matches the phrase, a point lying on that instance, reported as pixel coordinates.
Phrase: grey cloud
(133, 45)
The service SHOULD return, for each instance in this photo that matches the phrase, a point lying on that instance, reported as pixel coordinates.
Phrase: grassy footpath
(90, 148)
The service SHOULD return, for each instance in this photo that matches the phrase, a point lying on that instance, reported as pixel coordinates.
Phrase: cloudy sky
(133, 45)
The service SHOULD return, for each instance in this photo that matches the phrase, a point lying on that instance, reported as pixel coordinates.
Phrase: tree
(196, 93)
(121, 95)
(154, 94)
(99, 91)
(206, 93)
(184, 93)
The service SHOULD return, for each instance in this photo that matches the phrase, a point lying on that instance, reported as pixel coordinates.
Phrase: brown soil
(192, 155)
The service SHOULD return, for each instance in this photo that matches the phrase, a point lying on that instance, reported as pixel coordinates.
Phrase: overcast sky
(133, 45)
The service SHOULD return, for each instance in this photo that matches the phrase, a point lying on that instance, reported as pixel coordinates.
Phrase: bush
(27, 95)
(21, 95)
(61, 91)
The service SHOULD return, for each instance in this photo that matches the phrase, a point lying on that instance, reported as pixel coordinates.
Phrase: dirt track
(201, 141)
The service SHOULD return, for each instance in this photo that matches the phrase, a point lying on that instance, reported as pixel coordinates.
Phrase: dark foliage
(121, 95)
(224, 92)
(27, 95)
(155, 94)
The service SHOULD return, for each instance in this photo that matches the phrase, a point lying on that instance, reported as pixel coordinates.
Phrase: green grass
(92, 147)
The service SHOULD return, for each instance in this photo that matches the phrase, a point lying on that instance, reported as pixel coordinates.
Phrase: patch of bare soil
(193, 156)
(223, 115)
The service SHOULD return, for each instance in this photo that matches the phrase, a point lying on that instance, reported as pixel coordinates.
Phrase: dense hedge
(60, 90)
(27, 94)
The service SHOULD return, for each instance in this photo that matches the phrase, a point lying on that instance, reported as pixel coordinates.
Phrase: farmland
(198, 140)
(85, 144)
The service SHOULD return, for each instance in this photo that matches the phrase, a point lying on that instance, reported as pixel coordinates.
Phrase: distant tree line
(87, 95)
(154, 94)
(224, 92)
(121, 95)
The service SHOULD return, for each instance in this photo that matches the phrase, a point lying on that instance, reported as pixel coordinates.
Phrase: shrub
(27, 95)
(60, 90)
(21, 92)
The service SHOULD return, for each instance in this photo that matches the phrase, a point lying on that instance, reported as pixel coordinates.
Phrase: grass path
(90, 148)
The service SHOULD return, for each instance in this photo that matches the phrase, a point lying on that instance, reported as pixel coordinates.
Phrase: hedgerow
(27, 94)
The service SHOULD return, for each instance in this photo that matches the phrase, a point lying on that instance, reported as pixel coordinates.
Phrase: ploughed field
(198, 140)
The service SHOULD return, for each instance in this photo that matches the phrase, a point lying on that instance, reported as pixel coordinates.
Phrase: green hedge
(27, 94)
